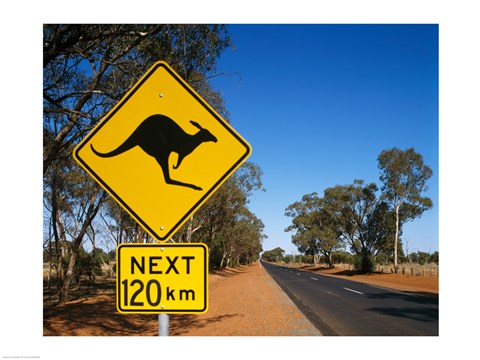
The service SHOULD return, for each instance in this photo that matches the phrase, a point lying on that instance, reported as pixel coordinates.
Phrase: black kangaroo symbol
(159, 136)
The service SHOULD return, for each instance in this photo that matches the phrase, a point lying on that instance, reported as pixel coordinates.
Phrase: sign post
(161, 152)
(163, 325)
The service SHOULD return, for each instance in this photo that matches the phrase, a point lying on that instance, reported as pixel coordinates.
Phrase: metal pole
(163, 324)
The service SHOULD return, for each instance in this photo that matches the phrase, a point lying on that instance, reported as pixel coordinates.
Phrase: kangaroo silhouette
(159, 136)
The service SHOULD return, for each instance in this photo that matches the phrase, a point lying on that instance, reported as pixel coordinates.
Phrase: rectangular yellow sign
(162, 278)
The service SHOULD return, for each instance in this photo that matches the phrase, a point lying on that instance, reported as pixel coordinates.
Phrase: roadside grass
(408, 269)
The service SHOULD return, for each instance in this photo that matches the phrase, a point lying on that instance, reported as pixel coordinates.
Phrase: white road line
(313, 278)
(299, 274)
(355, 291)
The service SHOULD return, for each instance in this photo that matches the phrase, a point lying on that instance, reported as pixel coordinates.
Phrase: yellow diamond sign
(162, 151)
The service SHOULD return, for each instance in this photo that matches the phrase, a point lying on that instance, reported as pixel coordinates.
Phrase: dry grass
(404, 269)
(420, 281)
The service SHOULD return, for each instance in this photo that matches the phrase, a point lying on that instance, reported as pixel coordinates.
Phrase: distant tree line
(86, 70)
(274, 255)
(361, 217)
(344, 257)
(422, 258)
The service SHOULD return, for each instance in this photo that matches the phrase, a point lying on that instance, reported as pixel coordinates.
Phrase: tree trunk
(61, 248)
(59, 236)
(395, 243)
(90, 215)
(329, 260)
(223, 259)
(139, 236)
(63, 297)
(49, 271)
(93, 258)
(189, 231)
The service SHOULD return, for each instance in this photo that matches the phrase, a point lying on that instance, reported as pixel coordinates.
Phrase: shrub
(364, 263)
(339, 257)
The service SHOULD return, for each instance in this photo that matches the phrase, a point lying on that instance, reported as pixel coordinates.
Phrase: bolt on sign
(162, 151)
(162, 278)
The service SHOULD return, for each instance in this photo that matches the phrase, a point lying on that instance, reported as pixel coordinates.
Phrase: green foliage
(404, 177)
(49, 255)
(87, 68)
(342, 257)
(352, 206)
(434, 258)
(315, 229)
(380, 228)
(354, 214)
(215, 256)
(85, 264)
(232, 232)
(364, 263)
(306, 259)
(112, 255)
(346, 215)
(275, 255)
(101, 256)
(422, 258)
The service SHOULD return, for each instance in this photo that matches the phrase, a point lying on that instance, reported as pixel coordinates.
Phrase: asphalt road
(341, 307)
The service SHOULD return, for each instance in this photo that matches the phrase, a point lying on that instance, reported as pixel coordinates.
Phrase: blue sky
(318, 103)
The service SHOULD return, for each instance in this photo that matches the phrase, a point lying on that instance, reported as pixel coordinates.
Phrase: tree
(274, 255)
(380, 229)
(350, 207)
(87, 68)
(353, 208)
(242, 239)
(73, 200)
(118, 225)
(346, 215)
(315, 228)
(216, 222)
(404, 177)
(434, 258)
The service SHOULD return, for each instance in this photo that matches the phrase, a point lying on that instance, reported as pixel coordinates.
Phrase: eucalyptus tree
(349, 215)
(404, 177)
(315, 228)
(87, 68)
(380, 230)
(118, 226)
(74, 200)
(221, 213)
(242, 239)
(350, 206)
(274, 255)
